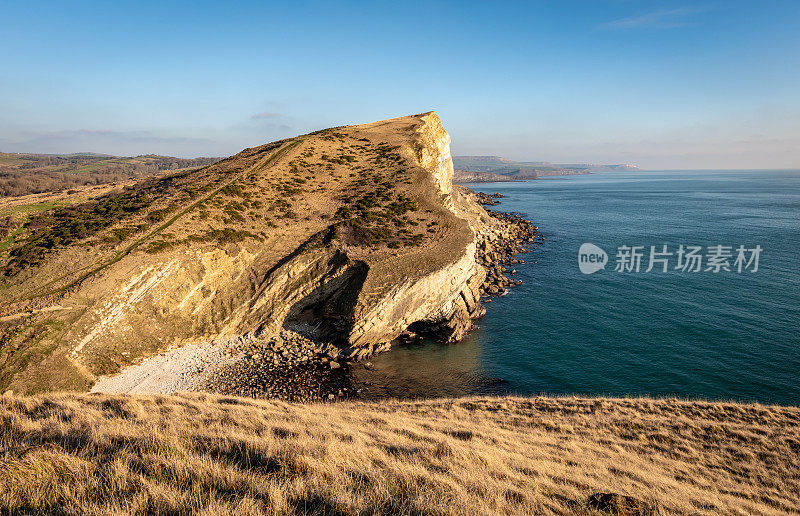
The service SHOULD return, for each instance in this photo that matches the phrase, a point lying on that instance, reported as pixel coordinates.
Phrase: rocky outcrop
(437, 300)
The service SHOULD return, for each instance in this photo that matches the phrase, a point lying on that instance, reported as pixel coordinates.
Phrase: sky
(656, 83)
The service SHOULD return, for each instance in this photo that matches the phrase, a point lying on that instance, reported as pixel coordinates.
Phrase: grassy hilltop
(220, 455)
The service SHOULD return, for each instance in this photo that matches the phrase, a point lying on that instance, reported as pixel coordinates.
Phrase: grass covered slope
(94, 453)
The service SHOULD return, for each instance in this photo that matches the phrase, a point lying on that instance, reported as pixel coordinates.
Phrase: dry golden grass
(220, 455)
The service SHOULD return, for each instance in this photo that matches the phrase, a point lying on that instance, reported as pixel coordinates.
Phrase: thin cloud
(99, 131)
(661, 19)
(261, 116)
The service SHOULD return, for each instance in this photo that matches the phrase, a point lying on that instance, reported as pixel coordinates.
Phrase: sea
(721, 323)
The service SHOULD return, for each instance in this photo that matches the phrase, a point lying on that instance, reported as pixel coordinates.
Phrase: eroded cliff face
(442, 302)
(374, 241)
(433, 145)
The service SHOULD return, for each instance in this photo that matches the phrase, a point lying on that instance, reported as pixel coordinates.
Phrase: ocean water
(726, 335)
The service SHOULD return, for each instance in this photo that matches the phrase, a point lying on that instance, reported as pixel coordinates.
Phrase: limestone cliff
(350, 235)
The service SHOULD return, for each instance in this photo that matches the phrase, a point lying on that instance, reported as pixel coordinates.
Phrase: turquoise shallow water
(697, 335)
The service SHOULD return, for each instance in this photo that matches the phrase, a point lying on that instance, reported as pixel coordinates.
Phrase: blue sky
(663, 84)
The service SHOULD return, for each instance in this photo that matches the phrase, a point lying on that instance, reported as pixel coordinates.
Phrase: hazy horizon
(659, 84)
(709, 169)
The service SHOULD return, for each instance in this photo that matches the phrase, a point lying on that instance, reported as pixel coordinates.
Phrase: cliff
(350, 235)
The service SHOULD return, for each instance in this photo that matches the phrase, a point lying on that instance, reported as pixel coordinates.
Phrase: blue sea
(721, 336)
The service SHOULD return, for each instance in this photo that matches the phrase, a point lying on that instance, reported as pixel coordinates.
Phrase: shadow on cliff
(328, 312)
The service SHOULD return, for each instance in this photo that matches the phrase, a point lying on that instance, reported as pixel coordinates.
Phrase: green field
(31, 208)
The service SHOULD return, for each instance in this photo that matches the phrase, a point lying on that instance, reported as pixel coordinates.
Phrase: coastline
(289, 366)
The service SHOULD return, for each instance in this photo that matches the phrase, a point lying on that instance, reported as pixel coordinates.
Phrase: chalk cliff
(350, 235)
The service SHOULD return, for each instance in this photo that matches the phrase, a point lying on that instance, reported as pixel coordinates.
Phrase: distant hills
(475, 169)
(22, 174)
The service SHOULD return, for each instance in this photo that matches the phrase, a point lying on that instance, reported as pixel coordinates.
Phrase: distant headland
(483, 169)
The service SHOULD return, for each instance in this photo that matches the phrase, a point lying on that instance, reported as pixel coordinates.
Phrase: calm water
(716, 336)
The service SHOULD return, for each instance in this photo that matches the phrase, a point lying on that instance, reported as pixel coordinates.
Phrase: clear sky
(662, 84)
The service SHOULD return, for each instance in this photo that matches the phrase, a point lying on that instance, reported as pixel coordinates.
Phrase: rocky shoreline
(492, 199)
(290, 366)
(497, 254)
(287, 366)
(294, 368)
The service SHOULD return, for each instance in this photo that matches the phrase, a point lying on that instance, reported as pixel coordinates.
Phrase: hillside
(348, 236)
(25, 174)
(221, 455)
(32, 183)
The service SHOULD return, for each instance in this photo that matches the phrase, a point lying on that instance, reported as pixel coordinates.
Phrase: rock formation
(351, 235)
